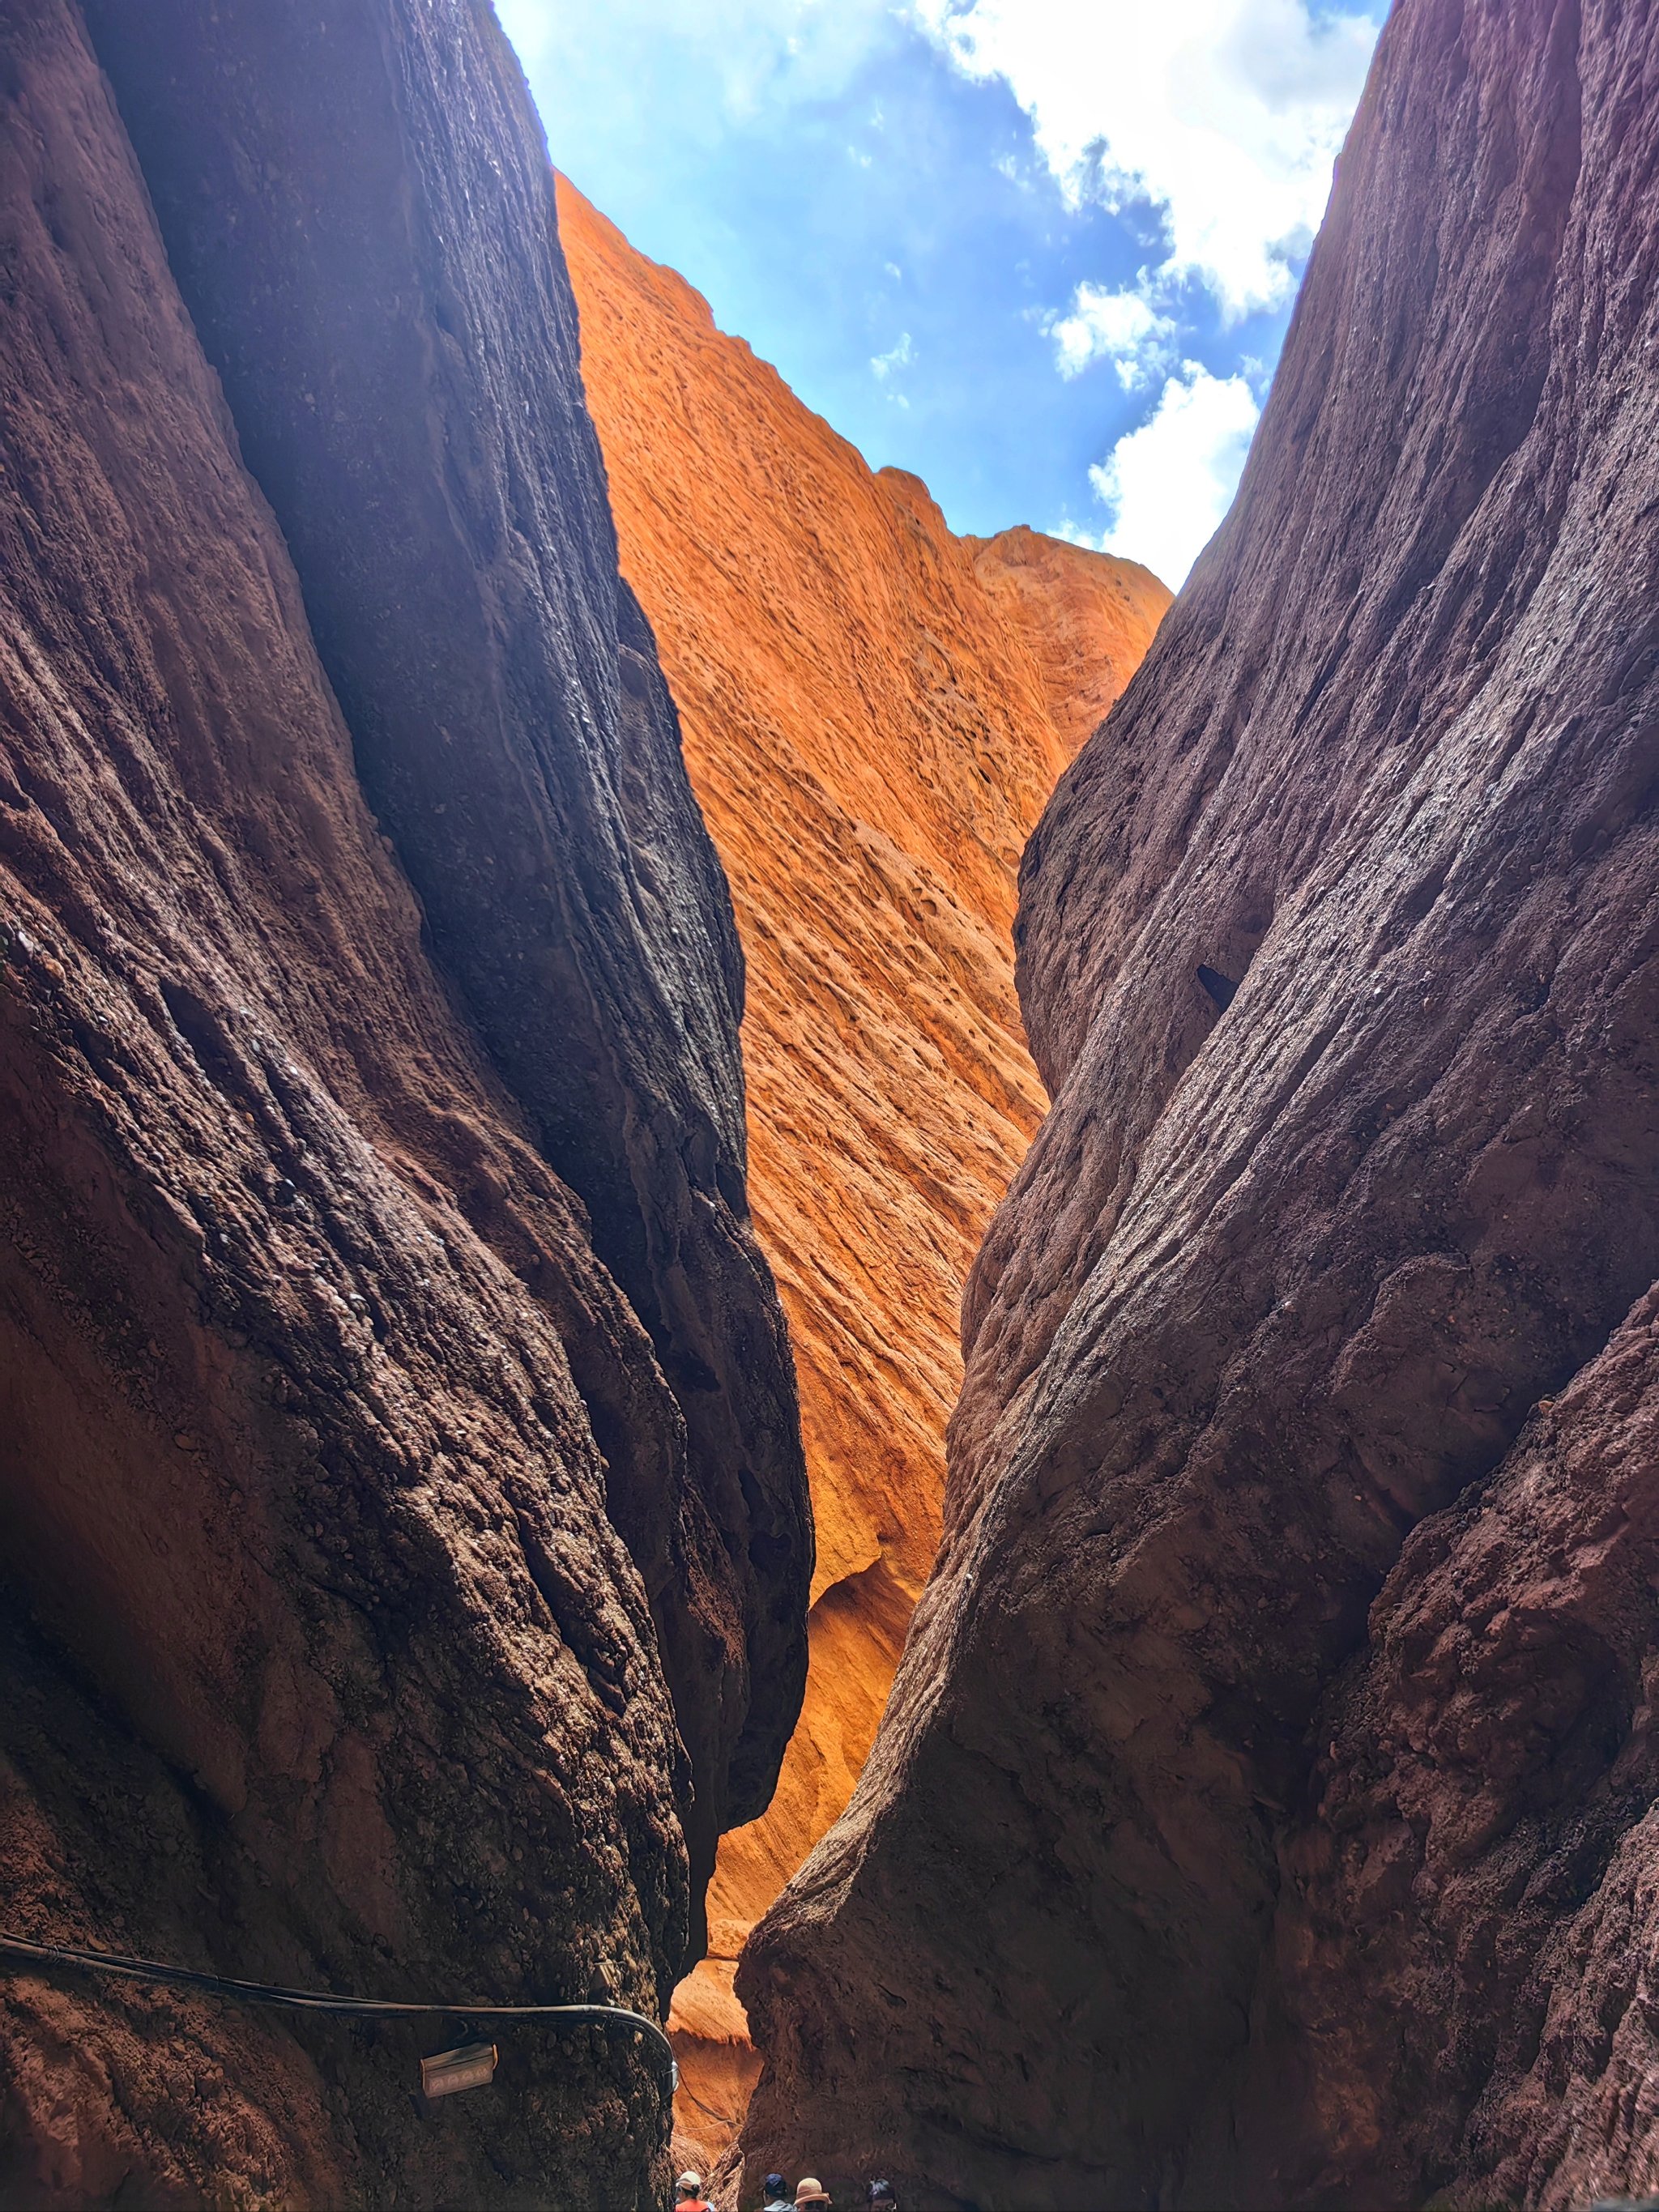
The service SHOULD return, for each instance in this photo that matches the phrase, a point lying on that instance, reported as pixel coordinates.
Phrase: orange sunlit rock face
(874, 712)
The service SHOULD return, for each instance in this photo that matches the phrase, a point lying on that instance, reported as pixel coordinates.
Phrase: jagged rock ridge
(1261, 1812)
(398, 1467)
(875, 712)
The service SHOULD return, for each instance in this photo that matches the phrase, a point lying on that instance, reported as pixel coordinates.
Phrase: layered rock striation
(1261, 1812)
(874, 712)
(401, 1504)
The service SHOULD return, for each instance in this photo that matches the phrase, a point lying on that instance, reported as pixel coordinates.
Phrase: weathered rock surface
(1478, 1848)
(341, 1476)
(1260, 1814)
(874, 712)
(357, 206)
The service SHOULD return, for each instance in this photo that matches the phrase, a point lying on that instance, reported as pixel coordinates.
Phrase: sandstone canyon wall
(1262, 1814)
(875, 712)
(402, 1515)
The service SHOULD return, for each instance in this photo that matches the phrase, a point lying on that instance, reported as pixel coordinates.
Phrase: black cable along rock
(21, 1948)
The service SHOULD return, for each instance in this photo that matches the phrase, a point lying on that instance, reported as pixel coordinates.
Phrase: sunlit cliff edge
(874, 712)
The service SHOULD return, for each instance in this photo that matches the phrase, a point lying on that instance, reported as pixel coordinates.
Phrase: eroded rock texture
(875, 712)
(384, 1344)
(1261, 1813)
(357, 206)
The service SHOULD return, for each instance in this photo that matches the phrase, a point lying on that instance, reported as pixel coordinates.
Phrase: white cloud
(1125, 328)
(881, 365)
(1167, 485)
(725, 61)
(1225, 115)
(1074, 534)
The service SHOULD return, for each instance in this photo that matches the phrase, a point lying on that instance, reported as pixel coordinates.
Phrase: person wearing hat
(811, 2191)
(687, 2194)
(776, 2199)
(880, 2196)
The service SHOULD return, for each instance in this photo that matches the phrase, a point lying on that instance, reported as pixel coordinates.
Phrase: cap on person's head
(811, 2191)
(880, 2192)
(689, 2184)
(773, 2184)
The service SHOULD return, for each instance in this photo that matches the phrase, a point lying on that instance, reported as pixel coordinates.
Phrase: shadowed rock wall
(875, 712)
(340, 1476)
(358, 209)
(1260, 1816)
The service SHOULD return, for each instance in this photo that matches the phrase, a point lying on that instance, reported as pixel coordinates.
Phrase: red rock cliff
(1262, 1812)
(875, 712)
(399, 1474)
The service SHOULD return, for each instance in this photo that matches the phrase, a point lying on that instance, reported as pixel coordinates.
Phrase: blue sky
(1040, 251)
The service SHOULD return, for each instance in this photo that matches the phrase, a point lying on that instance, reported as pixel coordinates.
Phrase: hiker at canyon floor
(776, 2201)
(687, 2194)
